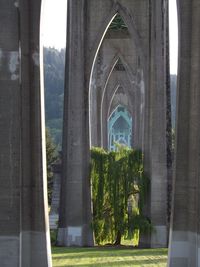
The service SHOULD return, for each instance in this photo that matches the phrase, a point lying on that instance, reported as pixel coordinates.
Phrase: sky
(54, 27)
(54, 23)
(173, 36)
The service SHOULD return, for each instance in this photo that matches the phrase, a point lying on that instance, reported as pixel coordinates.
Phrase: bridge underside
(24, 236)
(91, 83)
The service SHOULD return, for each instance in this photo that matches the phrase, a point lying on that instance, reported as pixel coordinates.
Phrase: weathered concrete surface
(87, 24)
(156, 145)
(185, 225)
(24, 237)
(75, 212)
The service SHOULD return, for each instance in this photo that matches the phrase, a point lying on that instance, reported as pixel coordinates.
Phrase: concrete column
(35, 243)
(10, 136)
(156, 145)
(24, 236)
(158, 126)
(75, 213)
(185, 224)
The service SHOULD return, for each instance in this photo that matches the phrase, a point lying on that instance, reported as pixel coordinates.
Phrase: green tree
(119, 187)
(54, 66)
(51, 155)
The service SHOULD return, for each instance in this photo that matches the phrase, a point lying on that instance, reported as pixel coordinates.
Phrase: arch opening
(116, 29)
(119, 128)
(116, 89)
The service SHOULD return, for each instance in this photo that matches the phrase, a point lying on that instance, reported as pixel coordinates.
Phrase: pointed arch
(120, 114)
(114, 93)
(135, 37)
(128, 73)
(128, 19)
(107, 20)
(119, 127)
(106, 77)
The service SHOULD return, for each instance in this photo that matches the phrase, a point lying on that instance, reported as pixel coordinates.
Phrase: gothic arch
(103, 110)
(135, 38)
(129, 21)
(131, 78)
(115, 134)
(113, 95)
(106, 106)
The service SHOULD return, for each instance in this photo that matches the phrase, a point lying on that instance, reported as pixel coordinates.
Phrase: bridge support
(24, 236)
(185, 225)
(87, 24)
(75, 227)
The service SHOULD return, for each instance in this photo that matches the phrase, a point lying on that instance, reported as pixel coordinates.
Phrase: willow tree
(119, 187)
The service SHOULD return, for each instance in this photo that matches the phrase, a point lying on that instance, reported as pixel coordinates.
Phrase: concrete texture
(75, 212)
(185, 225)
(24, 237)
(87, 24)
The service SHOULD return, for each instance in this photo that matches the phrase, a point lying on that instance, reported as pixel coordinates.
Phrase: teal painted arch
(120, 111)
(119, 128)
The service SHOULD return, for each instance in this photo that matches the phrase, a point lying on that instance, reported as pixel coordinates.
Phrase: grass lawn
(108, 257)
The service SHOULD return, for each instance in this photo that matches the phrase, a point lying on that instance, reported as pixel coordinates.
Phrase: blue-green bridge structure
(119, 128)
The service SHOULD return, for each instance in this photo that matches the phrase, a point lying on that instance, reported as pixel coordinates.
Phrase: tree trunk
(118, 238)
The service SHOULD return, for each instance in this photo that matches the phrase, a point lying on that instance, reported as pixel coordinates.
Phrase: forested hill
(54, 63)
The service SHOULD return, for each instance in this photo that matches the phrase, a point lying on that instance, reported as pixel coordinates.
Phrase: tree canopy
(119, 188)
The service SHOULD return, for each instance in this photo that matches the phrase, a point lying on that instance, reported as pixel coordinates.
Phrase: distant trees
(51, 156)
(54, 66)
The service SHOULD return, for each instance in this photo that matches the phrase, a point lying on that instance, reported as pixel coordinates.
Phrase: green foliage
(53, 236)
(51, 158)
(54, 66)
(119, 187)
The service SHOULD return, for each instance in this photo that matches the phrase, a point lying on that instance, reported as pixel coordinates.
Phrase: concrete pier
(184, 249)
(24, 236)
(88, 21)
(74, 227)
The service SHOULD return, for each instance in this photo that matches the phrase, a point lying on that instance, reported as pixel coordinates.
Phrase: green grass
(108, 257)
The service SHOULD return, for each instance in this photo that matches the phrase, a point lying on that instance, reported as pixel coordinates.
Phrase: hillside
(54, 64)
